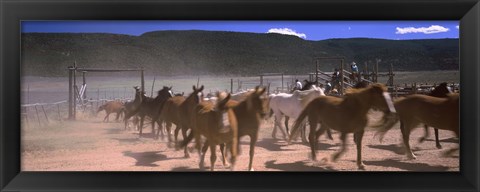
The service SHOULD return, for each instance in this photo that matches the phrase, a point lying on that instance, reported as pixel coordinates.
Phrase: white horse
(291, 105)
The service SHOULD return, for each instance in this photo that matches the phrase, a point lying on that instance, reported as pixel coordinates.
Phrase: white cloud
(426, 30)
(458, 27)
(287, 31)
(349, 28)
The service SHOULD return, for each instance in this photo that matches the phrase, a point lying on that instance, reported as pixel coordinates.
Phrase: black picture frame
(14, 11)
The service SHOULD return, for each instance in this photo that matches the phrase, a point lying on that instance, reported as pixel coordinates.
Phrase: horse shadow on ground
(272, 145)
(112, 131)
(320, 145)
(397, 149)
(188, 169)
(128, 140)
(148, 158)
(296, 166)
(148, 135)
(448, 140)
(414, 166)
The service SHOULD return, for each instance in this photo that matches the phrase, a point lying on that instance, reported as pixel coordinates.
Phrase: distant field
(45, 89)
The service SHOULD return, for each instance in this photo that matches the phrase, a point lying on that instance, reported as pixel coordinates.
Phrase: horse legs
(213, 156)
(125, 119)
(232, 158)
(406, 137)
(153, 128)
(312, 139)
(142, 118)
(253, 140)
(329, 134)
(177, 128)
(106, 117)
(278, 123)
(437, 142)
(358, 136)
(118, 116)
(286, 124)
(202, 155)
(168, 128)
(426, 135)
(184, 134)
(336, 155)
(222, 150)
(303, 133)
(274, 131)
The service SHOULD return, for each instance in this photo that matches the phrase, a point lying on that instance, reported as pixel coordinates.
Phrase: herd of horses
(223, 119)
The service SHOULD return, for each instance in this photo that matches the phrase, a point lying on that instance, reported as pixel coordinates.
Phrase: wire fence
(43, 114)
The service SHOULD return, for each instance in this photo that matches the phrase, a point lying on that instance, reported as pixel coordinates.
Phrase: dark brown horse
(217, 123)
(152, 106)
(346, 115)
(178, 110)
(440, 91)
(441, 113)
(131, 108)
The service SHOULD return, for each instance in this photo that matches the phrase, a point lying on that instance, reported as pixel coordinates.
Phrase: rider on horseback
(298, 85)
(355, 73)
(335, 78)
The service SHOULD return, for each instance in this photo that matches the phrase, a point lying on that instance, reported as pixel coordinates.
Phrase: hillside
(224, 53)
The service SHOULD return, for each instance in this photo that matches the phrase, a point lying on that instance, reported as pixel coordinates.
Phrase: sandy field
(88, 144)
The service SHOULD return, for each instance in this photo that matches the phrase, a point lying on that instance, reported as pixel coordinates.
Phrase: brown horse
(346, 115)
(112, 107)
(440, 91)
(178, 110)
(249, 114)
(218, 124)
(131, 108)
(441, 113)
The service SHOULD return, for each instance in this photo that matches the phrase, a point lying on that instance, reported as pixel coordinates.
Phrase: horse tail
(234, 126)
(299, 121)
(186, 140)
(385, 124)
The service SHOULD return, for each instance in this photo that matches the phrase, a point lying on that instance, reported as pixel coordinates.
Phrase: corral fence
(43, 114)
(77, 94)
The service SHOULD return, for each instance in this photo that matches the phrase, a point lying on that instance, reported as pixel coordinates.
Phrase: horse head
(165, 93)
(441, 90)
(257, 102)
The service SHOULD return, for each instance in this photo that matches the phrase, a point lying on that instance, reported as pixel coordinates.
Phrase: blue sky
(309, 30)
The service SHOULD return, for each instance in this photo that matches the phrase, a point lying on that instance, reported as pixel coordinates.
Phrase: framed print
(143, 95)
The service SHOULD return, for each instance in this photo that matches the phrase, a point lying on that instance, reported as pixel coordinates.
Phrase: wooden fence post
(38, 117)
(58, 110)
(46, 117)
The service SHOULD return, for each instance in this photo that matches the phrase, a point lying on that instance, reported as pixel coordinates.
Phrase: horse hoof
(251, 169)
(361, 166)
(335, 157)
(187, 155)
(226, 165)
(412, 156)
(439, 147)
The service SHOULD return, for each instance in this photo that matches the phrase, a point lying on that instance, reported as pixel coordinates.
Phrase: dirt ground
(91, 145)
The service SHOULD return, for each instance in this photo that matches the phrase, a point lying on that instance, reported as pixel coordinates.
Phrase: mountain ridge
(198, 52)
